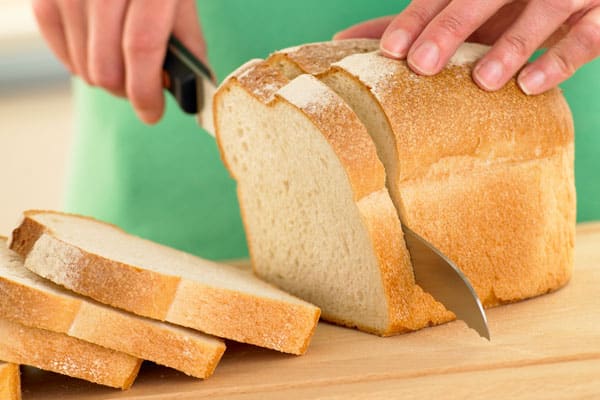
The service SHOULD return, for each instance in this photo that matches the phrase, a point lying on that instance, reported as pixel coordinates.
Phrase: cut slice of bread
(30, 300)
(10, 381)
(105, 263)
(319, 220)
(486, 177)
(66, 355)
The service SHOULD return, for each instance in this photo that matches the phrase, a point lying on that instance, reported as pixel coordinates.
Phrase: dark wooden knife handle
(180, 75)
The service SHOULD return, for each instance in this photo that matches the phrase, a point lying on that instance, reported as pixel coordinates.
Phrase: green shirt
(167, 182)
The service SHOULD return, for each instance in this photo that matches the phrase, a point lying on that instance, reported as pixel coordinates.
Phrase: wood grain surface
(547, 347)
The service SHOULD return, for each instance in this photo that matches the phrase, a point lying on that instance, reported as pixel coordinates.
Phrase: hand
(120, 45)
(428, 32)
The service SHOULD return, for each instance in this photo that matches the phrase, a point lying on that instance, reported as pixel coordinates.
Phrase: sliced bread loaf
(66, 355)
(10, 381)
(103, 262)
(486, 177)
(319, 220)
(30, 300)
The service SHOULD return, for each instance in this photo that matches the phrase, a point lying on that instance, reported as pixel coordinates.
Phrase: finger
(580, 45)
(372, 29)
(105, 59)
(441, 38)
(187, 29)
(499, 23)
(148, 24)
(73, 14)
(539, 20)
(49, 20)
(408, 25)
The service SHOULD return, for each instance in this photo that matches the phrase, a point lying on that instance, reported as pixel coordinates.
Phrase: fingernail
(531, 82)
(489, 74)
(396, 44)
(425, 58)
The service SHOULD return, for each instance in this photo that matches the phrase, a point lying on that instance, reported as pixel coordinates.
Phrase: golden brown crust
(66, 355)
(157, 342)
(511, 229)
(282, 327)
(315, 58)
(10, 382)
(462, 120)
(95, 276)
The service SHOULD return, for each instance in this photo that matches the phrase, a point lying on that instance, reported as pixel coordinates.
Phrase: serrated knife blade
(438, 276)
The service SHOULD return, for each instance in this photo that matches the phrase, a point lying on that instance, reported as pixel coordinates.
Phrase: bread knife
(191, 83)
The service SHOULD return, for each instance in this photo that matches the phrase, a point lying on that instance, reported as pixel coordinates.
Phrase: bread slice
(319, 220)
(66, 355)
(30, 300)
(486, 177)
(103, 262)
(10, 381)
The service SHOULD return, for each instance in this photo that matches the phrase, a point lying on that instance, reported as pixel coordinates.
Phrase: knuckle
(70, 4)
(452, 25)
(106, 78)
(517, 45)
(142, 98)
(142, 43)
(588, 36)
(563, 62)
(562, 6)
(419, 13)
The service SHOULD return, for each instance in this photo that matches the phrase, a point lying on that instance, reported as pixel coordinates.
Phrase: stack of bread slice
(93, 332)
(333, 147)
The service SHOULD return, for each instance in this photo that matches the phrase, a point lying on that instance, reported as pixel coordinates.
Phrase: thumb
(371, 29)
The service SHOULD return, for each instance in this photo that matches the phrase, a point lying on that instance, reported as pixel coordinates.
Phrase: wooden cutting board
(547, 347)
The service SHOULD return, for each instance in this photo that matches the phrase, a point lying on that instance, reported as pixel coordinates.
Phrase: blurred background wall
(35, 117)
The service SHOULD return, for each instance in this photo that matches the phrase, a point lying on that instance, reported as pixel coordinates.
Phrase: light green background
(167, 182)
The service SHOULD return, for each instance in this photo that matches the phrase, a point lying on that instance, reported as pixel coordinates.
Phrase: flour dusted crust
(10, 381)
(315, 58)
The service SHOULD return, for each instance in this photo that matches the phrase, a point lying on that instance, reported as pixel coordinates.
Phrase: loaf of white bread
(10, 381)
(332, 145)
(27, 299)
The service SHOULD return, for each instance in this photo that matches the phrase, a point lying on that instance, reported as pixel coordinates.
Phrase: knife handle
(180, 75)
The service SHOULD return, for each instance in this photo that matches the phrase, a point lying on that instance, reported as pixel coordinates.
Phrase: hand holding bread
(427, 33)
